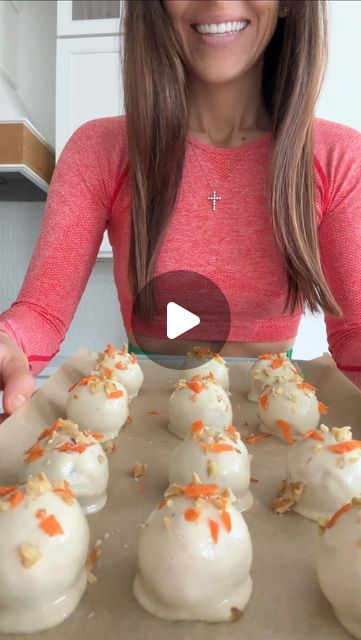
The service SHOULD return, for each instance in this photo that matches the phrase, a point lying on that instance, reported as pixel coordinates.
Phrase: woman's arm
(74, 221)
(340, 242)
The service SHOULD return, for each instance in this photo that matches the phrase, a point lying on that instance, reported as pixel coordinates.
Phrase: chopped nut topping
(356, 501)
(139, 469)
(288, 496)
(167, 523)
(195, 479)
(324, 428)
(109, 446)
(173, 490)
(292, 397)
(29, 554)
(100, 459)
(317, 447)
(212, 468)
(228, 493)
(91, 578)
(322, 523)
(38, 485)
(257, 374)
(341, 434)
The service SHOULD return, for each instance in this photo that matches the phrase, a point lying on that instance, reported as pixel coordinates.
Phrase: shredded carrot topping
(226, 519)
(162, 503)
(197, 426)
(115, 394)
(200, 490)
(120, 366)
(107, 372)
(48, 432)
(306, 386)
(254, 437)
(93, 434)
(110, 350)
(84, 381)
(72, 387)
(16, 498)
(277, 363)
(286, 430)
(40, 514)
(264, 401)
(65, 492)
(214, 528)
(315, 435)
(191, 514)
(51, 526)
(322, 409)
(217, 447)
(266, 356)
(35, 452)
(69, 447)
(153, 412)
(133, 358)
(344, 447)
(231, 429)
(338, 514)
(4, 491)
(195, 386)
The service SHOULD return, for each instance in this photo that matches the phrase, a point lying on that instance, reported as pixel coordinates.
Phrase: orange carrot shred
(322, 409)
(107, 372)
(191, 514)
(120, 365)
(214, 528)
(133, 358)
(286, 430)
(264, 401)
(153, 412)
(65, 492)
(16, 498)
(231, 429)
(266, 356)
(72, 387)
(346, 507)
(195, 386)
(129, 420)
(110, 350)
(69, 447)
(217, 447)
(254, 437)
(162, 503)
(115, 394)
(277, 363)
(226, 519)
(40, 514)
(315, 435)
(4, 491)
(344, 447)
(51, 526)
(306, 386)
(194, 397)
(197, 426)
(35, 452)
(200, 490)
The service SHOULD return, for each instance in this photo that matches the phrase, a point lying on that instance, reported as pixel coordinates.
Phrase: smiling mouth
(221, 28)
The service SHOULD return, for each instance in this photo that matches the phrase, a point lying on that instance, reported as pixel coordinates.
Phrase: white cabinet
(88, 70)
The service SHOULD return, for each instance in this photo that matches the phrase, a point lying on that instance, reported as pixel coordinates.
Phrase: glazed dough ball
(339, 566)
(325, 467)
(44, 546)
(123, 365)
(289, 410)
(268, 369)
(65, 453)
(198, 399)
(98, 404)
(194, 557)
(215, 457)
(204, 362)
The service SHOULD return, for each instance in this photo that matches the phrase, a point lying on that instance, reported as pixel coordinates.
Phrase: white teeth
(222, 27)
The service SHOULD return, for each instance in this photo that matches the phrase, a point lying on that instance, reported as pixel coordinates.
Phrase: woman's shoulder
(106, 133)
(333, 139)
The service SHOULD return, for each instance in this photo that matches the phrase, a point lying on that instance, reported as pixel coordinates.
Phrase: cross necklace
(214, 198)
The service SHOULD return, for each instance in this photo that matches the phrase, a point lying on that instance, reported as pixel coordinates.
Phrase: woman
(220, 97)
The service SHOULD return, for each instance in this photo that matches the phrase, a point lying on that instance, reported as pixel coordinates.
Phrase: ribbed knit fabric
(235, 246)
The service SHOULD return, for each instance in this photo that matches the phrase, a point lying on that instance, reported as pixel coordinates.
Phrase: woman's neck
(230, 114)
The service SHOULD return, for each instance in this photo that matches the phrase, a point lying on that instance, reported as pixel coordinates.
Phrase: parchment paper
(286, 603)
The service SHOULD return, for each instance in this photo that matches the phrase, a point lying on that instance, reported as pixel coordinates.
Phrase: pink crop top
(233, 246)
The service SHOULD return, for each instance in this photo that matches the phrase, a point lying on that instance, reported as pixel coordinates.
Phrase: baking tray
(286, 603)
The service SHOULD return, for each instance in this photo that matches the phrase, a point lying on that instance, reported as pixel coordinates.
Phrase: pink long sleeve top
(234, 246)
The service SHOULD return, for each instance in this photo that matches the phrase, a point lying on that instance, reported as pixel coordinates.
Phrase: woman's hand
(15, 378)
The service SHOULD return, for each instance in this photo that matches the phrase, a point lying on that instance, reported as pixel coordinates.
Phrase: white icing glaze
(84, 464)
(96, 410)
(262, 373)
(211, 405)
(330, 479)
(339, 569)
(226, 468)
(203, 362)
(183, 574)
(123, 365)
(42, 595)
(291, 403)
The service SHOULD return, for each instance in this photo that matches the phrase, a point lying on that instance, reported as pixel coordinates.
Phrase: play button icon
(179, 320)
(176, 312)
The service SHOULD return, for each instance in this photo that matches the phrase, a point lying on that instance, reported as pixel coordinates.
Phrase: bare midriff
(229, 349)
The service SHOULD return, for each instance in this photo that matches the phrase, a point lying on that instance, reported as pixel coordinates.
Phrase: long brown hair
(155, 98)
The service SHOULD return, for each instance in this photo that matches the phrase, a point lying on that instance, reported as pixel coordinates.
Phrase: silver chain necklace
(214, 198)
